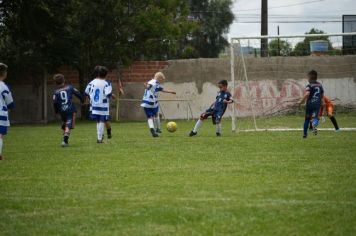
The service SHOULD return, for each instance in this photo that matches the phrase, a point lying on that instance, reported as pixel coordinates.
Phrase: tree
(214, 18)
(34, 35)
(278, 47)
(303, 48)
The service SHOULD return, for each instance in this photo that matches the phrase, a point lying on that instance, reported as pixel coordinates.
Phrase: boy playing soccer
(150, 101)
(99, 92)
(216, 110)
(313, 96)
(6, 103)
(63, 105)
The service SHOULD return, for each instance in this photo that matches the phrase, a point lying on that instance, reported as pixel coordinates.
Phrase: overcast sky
(290, 10)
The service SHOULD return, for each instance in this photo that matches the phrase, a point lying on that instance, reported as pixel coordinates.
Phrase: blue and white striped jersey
(6, 102)
(99, 92)
(150, 97)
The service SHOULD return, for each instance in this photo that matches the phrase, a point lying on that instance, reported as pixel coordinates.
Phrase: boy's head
(3, 71)
(222, 85)
(312, 75)
(100, 71)
(160, 77)
(59, 79)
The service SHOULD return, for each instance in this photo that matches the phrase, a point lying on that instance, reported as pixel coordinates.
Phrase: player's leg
(3, 132)
(199, 123)
(157, 123)
(330, 112)
(307, 121)
(150, 114)
(217, 122)
(100, 126)
(108, 128)
(69, 124)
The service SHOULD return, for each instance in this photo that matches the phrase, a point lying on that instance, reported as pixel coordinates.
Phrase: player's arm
(8, 99)
(78, 95)
(55, 104)
(168, 91)
(228, 100)
(305, 97)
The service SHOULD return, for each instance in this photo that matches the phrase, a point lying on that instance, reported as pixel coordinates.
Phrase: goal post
(264, 87)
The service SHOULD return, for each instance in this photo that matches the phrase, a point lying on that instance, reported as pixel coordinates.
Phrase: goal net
(268, 79)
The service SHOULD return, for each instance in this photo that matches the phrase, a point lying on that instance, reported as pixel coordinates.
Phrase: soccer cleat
(100, 141)
(158, 131)
(64, 144)
(218, 134)
(304, 136)
(192, 133)
(153, 132)
(1, 158)
(315, 131)
(337, 130)
(109, 136)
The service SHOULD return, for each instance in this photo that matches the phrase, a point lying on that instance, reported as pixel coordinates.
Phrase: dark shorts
(3, 130)
(150, 112)
(68, 120)
(215, 115)
(312, 111)
(99, 118)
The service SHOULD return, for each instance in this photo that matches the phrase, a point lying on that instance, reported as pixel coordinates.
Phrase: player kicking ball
(99, 91)
(6, 103)
(63, 105)
(216, 110)
(150, 101)
(313, 96)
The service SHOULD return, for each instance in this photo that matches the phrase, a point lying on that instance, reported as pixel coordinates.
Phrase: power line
(283, 6)
(296, 21)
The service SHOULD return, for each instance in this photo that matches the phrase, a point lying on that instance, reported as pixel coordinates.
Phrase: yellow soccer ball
(171, 126)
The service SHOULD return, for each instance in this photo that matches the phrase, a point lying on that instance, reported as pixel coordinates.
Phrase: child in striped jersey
(150, 101)
(6, 103)
(99, 92)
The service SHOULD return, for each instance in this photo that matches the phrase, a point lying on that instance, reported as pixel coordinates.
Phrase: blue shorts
(3, 130)
(100, 118)
(312, 110)
(215, 115)
(150, 112)
(68, 120)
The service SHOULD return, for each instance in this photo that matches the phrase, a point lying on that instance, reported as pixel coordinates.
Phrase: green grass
(258, 183)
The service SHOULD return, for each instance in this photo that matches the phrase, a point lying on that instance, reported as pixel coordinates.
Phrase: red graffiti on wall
(266, 97)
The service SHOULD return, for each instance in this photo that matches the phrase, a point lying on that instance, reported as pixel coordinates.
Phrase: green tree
(278, 47)
(303, 48)
(214, 18)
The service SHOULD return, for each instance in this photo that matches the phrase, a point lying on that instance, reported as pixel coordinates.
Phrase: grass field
(257, 183)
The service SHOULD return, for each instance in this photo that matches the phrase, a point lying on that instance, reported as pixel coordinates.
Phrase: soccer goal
(268, 78)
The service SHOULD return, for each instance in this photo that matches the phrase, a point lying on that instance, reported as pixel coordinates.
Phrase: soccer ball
(171, 126)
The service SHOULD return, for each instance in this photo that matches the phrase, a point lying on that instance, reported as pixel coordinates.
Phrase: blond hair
(160, 75)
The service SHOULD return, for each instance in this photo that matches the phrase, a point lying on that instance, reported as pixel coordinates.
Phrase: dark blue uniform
(217, 110)
(314, 100)
(62, 102)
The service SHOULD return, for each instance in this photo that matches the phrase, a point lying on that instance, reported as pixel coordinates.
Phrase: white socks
(150, 123)
(197, 125)
(157, 122)
(218, 128)
(100, 130)
(1, 142)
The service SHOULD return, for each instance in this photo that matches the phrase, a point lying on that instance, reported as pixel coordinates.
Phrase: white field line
(293, 129)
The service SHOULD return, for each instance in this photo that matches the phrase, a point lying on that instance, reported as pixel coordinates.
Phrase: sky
(290, 10)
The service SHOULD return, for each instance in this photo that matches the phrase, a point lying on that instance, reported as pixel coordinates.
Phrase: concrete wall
(275, 85)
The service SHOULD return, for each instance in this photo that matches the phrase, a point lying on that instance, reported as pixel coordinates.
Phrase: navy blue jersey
(62, 99)
(316, 93)
(219, 105)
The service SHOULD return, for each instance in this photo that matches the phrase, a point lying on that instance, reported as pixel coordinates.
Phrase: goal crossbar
(292, 36)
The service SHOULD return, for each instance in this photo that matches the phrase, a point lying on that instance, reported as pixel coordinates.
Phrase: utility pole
(264, 27)
(279, 50)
